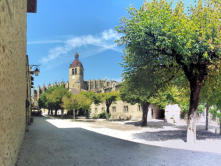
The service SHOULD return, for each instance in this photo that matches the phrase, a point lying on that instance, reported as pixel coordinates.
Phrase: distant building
(77, 83)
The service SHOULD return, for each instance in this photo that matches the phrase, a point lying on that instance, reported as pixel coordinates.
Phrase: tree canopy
(175, 42)
(108, 98)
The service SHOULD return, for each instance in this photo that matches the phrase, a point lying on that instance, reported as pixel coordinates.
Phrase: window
(139, 108)
(32, 6)
(73, 73)
(75, 70)
(114, 109)
(103, 109)
(126, 108)
(95, 110)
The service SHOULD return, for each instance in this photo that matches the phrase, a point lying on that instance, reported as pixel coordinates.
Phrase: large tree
(175, 38)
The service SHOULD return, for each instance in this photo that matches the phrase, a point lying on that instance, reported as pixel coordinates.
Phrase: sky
(60, 28)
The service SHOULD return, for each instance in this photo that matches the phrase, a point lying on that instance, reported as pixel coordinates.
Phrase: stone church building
(77, 83)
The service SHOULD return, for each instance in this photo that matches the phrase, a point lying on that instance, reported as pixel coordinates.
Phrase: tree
(42, 101)
(84, 103)
(108, 98)
(133, 95)
(70, 103)
(210, 95)
(95, 98)
(56, 97)
(45, 100)
(169, 38)
(216, 113)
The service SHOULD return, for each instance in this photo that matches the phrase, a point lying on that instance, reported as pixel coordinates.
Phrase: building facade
(77, 82)
(13, 77)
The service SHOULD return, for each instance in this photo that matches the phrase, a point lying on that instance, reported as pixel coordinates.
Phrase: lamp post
(36, 70)
(31, 70)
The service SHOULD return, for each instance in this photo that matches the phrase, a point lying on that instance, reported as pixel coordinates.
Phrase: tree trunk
(145, 107)
(207, 117)
(220, 127)
(48, 111)
(107, 112)
(74, 114)
(62, 113)
(56, 112)
(192, 114)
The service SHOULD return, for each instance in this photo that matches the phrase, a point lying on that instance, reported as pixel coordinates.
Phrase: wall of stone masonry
(12, 78)
(134, 112)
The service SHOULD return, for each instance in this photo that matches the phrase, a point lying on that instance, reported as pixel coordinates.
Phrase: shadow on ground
(175, 134)
(152, 124)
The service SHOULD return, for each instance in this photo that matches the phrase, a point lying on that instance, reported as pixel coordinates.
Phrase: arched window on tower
(75, 70)
(73, 73)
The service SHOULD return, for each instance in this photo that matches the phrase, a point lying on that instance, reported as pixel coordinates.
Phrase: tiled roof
(76, 62)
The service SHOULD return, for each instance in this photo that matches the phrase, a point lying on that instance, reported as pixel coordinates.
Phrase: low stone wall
(12, 78)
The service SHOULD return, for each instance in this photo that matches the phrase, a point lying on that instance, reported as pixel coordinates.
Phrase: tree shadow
(151, 124)
(175, 135)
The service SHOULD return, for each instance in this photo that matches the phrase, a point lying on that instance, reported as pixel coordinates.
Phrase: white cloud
(110, 34)
(104, 41)
(45, 42)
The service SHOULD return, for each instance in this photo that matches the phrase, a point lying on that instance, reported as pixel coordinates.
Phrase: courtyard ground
(157, 133)
(57, 142)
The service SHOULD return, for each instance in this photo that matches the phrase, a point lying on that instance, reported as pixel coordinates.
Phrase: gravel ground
(54, 142)
(157, 133)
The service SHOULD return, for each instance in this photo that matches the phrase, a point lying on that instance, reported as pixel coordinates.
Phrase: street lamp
(36, 70)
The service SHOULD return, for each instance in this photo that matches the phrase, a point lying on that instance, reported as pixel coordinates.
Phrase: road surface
(47, 145)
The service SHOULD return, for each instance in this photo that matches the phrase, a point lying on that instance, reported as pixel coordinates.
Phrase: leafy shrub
(102, 115)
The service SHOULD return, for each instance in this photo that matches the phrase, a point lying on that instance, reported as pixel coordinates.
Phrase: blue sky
(62, 27)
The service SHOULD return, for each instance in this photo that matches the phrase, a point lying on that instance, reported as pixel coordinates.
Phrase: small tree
(56, 97)
(132, 95)
(70, 102)
(84, 103)
(95, 98)
(108, 98)
(45, 100)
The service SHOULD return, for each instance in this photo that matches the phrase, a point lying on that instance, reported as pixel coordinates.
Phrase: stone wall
(120, 110)
(12, 78)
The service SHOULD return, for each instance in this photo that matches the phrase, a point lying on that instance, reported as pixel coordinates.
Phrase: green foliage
(200, 109)
(77, 102)
(213, 112)
(70, 102)
(170, 95)
(42, 101)
(95, 98)
(169, 44)
(56, 96)
(101, 115)
(108, 98)
(83, 102)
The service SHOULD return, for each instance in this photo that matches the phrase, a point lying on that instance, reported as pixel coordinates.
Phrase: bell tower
(76, 75)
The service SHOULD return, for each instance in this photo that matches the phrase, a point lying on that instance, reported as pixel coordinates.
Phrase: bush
(102, 115)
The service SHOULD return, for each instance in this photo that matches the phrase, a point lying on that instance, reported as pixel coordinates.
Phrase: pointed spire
(76, 55)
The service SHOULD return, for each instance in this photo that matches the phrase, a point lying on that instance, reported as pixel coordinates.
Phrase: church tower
(76, 75)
